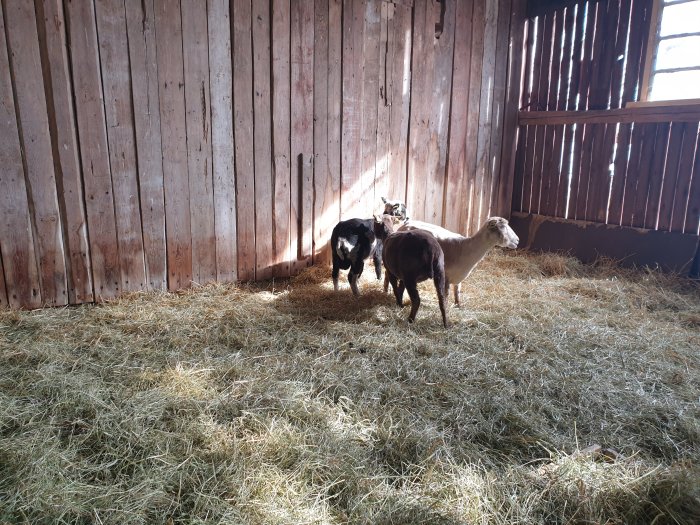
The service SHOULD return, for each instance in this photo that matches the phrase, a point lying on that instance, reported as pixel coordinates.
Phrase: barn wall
(582, 152)
(149, 144)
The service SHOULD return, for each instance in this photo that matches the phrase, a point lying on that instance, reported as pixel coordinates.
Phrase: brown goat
(411, 257)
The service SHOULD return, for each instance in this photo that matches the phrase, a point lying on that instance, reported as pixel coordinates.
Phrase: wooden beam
(680, 113)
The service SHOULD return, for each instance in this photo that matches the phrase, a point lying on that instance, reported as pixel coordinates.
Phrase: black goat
(354, 240)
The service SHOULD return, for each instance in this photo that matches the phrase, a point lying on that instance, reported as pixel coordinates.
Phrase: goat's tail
(438, 270)
(343, 248)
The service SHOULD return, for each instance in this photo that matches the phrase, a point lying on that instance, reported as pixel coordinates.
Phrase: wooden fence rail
(149, 144)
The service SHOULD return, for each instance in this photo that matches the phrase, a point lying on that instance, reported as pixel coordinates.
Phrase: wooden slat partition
(583, 154)
(152, 144)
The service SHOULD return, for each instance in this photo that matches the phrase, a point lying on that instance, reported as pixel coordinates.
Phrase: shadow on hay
(311, 297)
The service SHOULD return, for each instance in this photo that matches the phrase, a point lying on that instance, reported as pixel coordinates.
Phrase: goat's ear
(384, 200)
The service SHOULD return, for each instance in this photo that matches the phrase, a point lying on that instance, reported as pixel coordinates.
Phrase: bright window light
(676, 70)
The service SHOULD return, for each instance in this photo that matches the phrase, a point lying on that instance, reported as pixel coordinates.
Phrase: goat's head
(383, 226)
(503, 234)
(395, 208)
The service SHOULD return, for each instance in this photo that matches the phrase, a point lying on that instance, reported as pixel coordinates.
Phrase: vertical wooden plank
(94, 153)
(555, 173)
(618, 56)
(534, 104)
(519, 169)
(572, 147)
(195, 45)
(560, 209)
(221, 101)
(399, 67)
(243, 124)
(3, 289)
(636, 49)
(607, 83)
(632, 170)
(619, 174)
(603, 51)
(552, 173)
(419, 134)
(587, 46)
(324, 218)
(281, 134)
(430, 92)
(692, 214)
(140, 21)
(262, 140)
(486, 116)
(335, 97)
(114, 58)
(171, 93)
(668, 189)
(353, 25)
(685, 174)
(655, 177)
(565, 67)
(600, 173)
(475, 78)
(59, 97)
(584, 170)
(25, 63)
(543, 134)
(639, 173)
(456, 197)
(383, 130)
(443, 50)
(20, 274)
(302, 139)
(370, 97)
(500, 90)
(514, 136)
(577, 46)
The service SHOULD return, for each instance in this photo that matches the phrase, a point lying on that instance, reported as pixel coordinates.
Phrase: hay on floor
(562, 393)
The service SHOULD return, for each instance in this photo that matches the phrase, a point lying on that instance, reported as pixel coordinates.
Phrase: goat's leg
(386, 282)
(336, 272)
(457, 291)
(377, 258)
(442, 293)
(354, 275)
(398, 288)
(412, 289)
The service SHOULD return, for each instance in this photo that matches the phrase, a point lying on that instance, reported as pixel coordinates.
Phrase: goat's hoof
(410, 320)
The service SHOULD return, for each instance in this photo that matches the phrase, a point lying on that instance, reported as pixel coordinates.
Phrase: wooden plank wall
(150, 145)
(581, 155)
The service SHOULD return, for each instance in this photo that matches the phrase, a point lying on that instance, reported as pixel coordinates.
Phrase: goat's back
(439, 232)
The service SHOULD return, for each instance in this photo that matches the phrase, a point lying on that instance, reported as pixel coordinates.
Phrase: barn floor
(288, 403)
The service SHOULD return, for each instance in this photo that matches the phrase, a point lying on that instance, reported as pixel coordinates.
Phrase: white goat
(462, 254)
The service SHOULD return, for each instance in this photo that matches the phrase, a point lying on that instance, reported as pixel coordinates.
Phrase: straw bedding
(562, 393)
